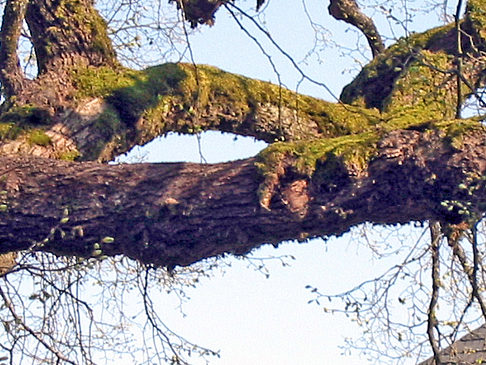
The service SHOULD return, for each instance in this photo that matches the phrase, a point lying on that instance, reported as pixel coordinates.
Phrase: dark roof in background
(470, 349)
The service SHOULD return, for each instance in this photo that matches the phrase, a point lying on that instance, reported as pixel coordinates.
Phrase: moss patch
(18, 120)
(25, 115)
(183, 90)
(353, 152)
(69, 155)
(476, 12)
(9, 131)
(456, 130)
(425, 92)
(130, 92)
(38, 137)
(372, 87)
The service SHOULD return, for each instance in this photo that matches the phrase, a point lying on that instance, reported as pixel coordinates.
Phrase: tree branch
(11, 74)
(432, 322)
(349, 11)
(60, 356)
(177, 214)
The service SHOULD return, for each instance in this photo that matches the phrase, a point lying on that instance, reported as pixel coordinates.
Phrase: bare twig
(33, 333)
(432, 323)
(457, 20)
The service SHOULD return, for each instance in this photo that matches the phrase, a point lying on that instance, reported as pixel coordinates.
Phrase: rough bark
(64, 34)
(176, 214)
(390, 153)
(64, 31)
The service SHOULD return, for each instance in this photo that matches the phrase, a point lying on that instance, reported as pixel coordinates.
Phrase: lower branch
(180, 213)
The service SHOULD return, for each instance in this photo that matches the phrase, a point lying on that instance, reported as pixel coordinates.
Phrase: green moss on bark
(353, 152)
(375, 83)
(181, 92)
(455, 130)
(38, 137)
(9, 131)
(476, 13)
(25, 115)
(18, 120)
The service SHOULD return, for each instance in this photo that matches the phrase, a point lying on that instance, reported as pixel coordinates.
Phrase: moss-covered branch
(392, 151)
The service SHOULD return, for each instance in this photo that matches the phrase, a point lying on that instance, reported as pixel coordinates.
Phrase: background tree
(392, 150)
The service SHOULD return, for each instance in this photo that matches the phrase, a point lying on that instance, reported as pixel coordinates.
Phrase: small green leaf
(97, 252)
(3, 207)
(64, 220)
(108, 239)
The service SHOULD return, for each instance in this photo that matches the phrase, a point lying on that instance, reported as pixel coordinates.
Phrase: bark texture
(176, 214)
(11, 74)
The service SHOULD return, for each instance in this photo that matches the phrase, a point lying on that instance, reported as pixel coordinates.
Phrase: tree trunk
(66, 32)
(11, 74)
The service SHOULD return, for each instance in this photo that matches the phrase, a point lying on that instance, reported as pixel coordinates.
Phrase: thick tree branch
(176, 214)
(340, 165)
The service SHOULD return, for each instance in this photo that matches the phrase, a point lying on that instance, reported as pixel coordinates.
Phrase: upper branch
(349, 11)
(11, 74)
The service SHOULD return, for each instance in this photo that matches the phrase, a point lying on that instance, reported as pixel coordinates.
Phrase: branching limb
(471, 272)
(349, 11)
(474, 280)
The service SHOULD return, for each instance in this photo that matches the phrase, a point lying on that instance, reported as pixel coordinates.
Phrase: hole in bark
(210, 147)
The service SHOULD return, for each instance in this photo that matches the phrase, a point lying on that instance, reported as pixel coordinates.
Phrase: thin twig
(459, 59)
(281, 50)
(435, 238)
(12, 311)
